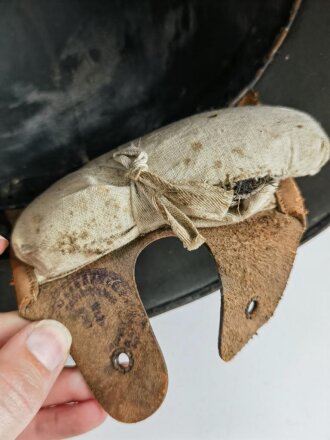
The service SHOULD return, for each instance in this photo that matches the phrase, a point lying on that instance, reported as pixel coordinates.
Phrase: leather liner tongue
(101, 306)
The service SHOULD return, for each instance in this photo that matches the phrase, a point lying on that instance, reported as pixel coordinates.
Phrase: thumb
(3, 244)
(29, 365)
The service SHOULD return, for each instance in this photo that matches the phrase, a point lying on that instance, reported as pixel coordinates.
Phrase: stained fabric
(182, 176)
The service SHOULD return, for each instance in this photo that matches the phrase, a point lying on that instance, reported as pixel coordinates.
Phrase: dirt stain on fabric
(196, 146)
(84, 235)
(37, 219)
(239, 152)
(71, 242)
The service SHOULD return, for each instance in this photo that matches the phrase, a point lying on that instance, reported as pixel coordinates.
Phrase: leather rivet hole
(251, 308)
(122, 360)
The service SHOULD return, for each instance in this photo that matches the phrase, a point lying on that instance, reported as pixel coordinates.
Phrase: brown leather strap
(290, 201)
(101, 306)
(254, 265)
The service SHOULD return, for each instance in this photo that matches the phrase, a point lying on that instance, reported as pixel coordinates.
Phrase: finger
(29, 365)
(3, 244)
(64, 421)
(10, 324)
(69, 387)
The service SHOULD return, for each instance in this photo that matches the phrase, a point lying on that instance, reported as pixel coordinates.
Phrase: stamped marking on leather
(92, 285)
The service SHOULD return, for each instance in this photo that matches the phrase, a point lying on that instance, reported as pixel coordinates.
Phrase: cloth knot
(134, 160)
(157, 201)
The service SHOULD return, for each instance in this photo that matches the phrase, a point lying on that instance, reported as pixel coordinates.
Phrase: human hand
(39, 399)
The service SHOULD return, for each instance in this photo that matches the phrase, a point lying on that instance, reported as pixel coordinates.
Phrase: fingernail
(50, 343)
(4, 239)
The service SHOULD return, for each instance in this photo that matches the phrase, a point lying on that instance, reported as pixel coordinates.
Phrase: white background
(277, 387)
